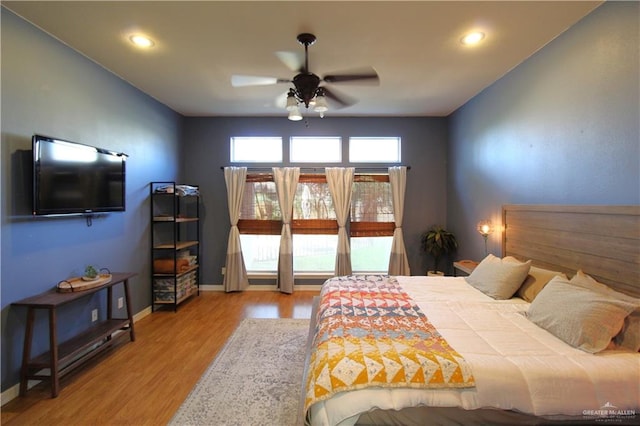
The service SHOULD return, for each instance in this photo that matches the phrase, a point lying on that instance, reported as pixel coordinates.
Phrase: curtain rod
(315, 169)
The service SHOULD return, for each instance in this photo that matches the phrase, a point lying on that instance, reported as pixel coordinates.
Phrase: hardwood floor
(144, 382)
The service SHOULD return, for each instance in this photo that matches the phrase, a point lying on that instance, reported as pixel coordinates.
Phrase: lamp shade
(320, 104)
(485, 227)
(291, 102)
(294, 114)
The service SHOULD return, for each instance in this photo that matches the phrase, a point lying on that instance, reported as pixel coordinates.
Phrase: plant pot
(435, 274)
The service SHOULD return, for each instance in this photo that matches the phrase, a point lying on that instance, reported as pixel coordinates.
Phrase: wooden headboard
(603, 241)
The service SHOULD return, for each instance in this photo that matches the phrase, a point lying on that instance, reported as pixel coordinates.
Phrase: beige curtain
(340, 182)
(235, 277)
(286, 179)
(398, 262)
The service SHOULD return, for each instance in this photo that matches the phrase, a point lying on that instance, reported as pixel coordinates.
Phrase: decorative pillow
(535, 282)
(629, 336)
(584, 318)
(583, 280)
(499, 278)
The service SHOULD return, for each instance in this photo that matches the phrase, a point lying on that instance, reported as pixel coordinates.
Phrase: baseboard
(143, 313)
(14, 391)
(261, 287)
(211, 287)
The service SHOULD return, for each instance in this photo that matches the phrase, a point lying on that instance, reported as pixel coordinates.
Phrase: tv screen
(72, 178)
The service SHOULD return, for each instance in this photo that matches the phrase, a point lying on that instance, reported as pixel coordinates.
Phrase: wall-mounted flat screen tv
(73, 178)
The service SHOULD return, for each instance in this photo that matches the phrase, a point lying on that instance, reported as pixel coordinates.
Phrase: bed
(495, 359)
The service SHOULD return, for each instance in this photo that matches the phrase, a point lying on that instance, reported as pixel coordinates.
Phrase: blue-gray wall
(48, 88)
(561, 128)
(424, 148)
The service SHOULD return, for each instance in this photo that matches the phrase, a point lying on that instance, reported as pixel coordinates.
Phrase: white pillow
(583, 280)
(629, 336)
(499, 278)
(582, 317)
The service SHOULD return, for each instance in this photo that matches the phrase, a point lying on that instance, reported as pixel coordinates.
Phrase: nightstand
(464, 267)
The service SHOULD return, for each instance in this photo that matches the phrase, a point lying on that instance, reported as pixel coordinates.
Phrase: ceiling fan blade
(338, 100)
(367, 76)
(292, 60)
(252, 80)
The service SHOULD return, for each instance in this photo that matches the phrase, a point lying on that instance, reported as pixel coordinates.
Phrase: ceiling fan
(307, 88)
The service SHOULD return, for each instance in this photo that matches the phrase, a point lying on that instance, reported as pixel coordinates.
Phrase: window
(315, 149)
(370, 254)
(312, 253)
(260, 252)
(260, 223)
(314, 226)
(372, 223)
(374, 150)
(313, 199)
(256, 149)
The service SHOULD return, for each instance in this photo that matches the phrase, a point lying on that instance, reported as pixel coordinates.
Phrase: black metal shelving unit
(175, 243)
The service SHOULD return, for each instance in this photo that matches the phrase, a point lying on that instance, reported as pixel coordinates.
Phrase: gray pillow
(499, 278)
(629, 336)
(584, 318)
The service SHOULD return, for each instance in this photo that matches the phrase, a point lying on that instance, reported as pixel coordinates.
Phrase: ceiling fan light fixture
(306, 88)
(294, 114)
(292, 102)
(320, 103)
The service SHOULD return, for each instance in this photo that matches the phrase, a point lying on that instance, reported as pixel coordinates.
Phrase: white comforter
(516, 365)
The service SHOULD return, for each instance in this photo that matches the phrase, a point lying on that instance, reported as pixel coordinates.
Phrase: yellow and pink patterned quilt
(369, 332)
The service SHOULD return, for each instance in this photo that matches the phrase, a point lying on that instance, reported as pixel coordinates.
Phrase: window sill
(263, 275)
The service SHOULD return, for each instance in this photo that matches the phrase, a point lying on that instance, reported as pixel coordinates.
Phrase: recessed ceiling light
(472, 38)
(141, 41)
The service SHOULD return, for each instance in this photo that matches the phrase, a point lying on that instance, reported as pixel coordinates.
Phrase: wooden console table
(66, 356)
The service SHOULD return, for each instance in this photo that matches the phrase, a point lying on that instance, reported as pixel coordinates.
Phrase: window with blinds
(372, 206)
(372, 223)
(260, 212)
(314, 226)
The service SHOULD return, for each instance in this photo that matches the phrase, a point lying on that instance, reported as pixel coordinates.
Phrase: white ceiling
(413, 45)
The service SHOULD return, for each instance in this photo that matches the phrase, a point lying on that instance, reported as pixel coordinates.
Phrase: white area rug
(256, 379)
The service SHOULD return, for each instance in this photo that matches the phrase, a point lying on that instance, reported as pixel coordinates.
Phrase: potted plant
(438, 242)
(90, 273)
